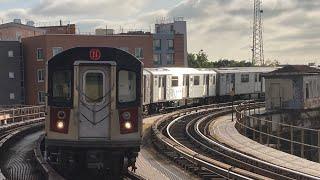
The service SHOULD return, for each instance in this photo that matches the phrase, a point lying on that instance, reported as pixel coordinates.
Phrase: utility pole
(257, 47)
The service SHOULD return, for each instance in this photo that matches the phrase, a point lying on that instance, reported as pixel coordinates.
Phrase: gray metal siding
(10, 64)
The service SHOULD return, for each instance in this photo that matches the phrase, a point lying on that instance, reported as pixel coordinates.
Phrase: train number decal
(95, 54)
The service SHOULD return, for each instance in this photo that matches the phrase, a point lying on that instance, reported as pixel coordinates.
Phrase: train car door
(230, 83)
(207, 85)
(162, 87)
(275, 95)
(257, 83)
(94, 88)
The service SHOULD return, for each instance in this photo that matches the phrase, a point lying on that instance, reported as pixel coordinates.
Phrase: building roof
(294, 70)
(12, 24)
(244, 70)
(177, 71)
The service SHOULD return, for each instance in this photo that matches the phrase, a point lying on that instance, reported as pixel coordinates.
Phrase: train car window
(244, 78)
(127, 82)
(174, 81)
(61, 86)
(94, 82)
(256, 78)
(213, 80)
(260, 77)
(196, 80)
(164, 81)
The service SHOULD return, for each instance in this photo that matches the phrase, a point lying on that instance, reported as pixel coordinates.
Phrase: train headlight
(128, 125)
(60, 124)
(126, 115)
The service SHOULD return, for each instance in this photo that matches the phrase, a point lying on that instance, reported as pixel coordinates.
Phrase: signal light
(128, 120)
(126, 115)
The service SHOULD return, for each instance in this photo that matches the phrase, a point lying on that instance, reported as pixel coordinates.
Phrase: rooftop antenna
(257, 48)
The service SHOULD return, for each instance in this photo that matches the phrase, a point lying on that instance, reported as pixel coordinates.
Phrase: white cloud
(220, 27)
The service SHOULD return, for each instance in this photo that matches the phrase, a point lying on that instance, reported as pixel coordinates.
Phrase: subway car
(94, 111)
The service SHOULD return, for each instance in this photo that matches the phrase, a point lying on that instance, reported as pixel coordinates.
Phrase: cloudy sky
(222, 28)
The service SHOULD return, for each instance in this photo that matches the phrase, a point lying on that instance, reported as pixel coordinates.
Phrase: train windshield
(61, 86)
(127, 90)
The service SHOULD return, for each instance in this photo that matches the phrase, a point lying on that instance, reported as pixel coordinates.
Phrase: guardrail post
(278, 135)
(253, 129)
(12, 115)
(302, 141)
(260, 130)
(319, 146)
(291, 142)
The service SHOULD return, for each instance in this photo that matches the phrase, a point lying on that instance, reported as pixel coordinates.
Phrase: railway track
(16, 159)
(182, 136)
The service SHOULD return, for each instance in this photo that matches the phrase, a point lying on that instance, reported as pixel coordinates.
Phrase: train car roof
(245, 69)
(177, 71)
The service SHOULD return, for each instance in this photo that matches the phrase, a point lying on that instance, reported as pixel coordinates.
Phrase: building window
(40, 75)
(170, 44)
(196, 80)
(174, 81)
(157, 44)
(10, 53)
(157, 59)
(170, 59)
(12, 96)
(126, 49)
(244, 78)
(139, 53)
(11, 75)
(56, 50)
(18, 36)
(41, 97)
(40, 55)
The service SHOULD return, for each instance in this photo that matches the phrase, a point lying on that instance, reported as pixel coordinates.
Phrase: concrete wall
(10, 64)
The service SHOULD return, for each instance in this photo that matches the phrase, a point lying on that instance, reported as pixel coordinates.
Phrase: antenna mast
(257, 48)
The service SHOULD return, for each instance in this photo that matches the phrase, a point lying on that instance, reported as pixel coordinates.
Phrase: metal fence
(18, 114)
(300, 141)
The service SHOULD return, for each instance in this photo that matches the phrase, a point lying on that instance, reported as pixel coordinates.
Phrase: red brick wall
(179, 51)
(9, 33)
(46, 42)
(68, 29)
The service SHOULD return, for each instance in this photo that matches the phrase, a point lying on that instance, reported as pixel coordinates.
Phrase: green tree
(199, 60)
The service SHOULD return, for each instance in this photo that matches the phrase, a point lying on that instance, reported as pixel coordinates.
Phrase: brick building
(37, 50)
(168, 40)
(61, 29)
(15, 31)
(11, 74)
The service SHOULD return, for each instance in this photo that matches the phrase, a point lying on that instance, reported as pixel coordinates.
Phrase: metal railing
(276, 134)
(21, 114)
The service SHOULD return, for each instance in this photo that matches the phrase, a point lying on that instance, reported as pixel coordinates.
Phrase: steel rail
(246, 156)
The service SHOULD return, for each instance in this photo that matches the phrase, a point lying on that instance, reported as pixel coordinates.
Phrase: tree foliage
(200, 60)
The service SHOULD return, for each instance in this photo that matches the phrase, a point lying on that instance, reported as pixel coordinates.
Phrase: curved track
(184, 139)
(16, 145)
